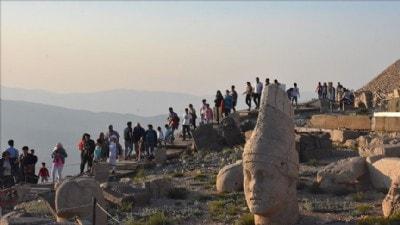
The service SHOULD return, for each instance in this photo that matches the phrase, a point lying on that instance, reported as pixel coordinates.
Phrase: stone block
(342, 136)
(350, 122)
(386, 124)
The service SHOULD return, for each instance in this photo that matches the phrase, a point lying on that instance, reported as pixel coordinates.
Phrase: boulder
(352, 144)
(248, 134)
(18, 217)
(230, 131)
(313, 145)
(160, 156)
(74, 198)
(230, 178)
(391, 203)
(343, 175)
(207, 138)
(158, 186)
(385, 150)
(342, 136)
(363, 141)
(248, 125)
(382, 172)
(101, 171)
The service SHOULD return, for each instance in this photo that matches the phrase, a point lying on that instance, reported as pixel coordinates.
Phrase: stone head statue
(270, 162)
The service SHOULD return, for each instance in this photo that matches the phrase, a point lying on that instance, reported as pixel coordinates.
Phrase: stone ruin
(270, 162)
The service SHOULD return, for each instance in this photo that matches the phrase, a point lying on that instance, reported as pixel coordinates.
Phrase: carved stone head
(270, 161)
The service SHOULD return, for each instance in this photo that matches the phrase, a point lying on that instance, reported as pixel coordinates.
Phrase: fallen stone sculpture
(383, 171)
(391, 203)
(270, 162)
(230, 178)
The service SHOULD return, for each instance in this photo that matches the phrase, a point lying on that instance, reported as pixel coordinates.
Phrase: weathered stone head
(270, 162)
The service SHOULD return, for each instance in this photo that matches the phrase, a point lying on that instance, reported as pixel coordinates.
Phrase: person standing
(44, 173)
(138, 134)
(186, 124)
(113, 154)
(128, 138)
(87, 147)
(203, 111)
(295, 94)
(249, 94)
(6, 171)
(58, 155)
(267, 82)
(339, 92)
(160, 137)
(26, 162)
(257, 94)
(193, 114)
(111, 132)
(13, 155)
(208, 115)
(319, 90)
(234, 98)
(35, 160)
(228, 103)
(103, 143)
(218, 105)
(324, 91)
(150, 141)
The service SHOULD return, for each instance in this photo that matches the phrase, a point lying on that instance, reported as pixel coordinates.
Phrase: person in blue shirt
(228, 103)
(150, 139)
(13, 155)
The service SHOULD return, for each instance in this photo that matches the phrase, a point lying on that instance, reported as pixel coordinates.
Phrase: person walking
(186, 124)
(44, 173)
(218, 105)
(150, 141)
(257, 94)
(128, 138)
(295, 94)
(234, 98)
(87, 147)
(249, 94)
(228, 103)
(58, 155)
(173, 120)
(193, 115)
(6, 171)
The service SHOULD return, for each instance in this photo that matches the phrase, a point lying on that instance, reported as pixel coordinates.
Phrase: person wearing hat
(58, 155)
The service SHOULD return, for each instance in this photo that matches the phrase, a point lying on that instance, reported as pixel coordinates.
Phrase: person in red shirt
(44, 173)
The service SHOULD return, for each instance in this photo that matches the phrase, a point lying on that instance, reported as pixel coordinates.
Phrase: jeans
(248, 100)
(57, 172)
(149, 149)
(128, 148)
(256, 99)
(186, 129)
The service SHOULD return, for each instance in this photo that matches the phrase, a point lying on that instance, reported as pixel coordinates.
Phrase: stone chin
(262, 207)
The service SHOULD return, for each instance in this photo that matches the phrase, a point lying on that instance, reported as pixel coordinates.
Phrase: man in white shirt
(258, 92)
(187, 118)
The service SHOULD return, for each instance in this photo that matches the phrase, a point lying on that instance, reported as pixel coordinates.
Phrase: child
(44, 173)
(169, 137)
(160, 137)
(97, 152)
(112, 159)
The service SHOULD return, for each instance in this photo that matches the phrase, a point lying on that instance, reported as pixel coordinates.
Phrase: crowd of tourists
(138, 143)
(20, 168)
(339, 96)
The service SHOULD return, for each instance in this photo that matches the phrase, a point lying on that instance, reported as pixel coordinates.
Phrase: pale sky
(194, 47)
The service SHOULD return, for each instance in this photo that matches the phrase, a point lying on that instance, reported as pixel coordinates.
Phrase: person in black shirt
(138, 135)
(87, 152)
(234, 97)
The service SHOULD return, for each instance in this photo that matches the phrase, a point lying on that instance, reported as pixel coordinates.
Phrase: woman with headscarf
(58, 155)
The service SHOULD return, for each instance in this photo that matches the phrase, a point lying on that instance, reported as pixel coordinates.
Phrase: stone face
(207, 138)
(230, 131)
(313, 145)
(74, 197)
(391, 203)
(342, 136)
(382, 172)
(270, 162)
(341, 122)
(344, 174)
(230, 178)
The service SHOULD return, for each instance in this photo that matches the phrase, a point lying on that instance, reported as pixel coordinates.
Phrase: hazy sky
(195, 47)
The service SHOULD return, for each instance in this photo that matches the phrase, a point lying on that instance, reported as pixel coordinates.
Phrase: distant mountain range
(143, 103)
(41, 126)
